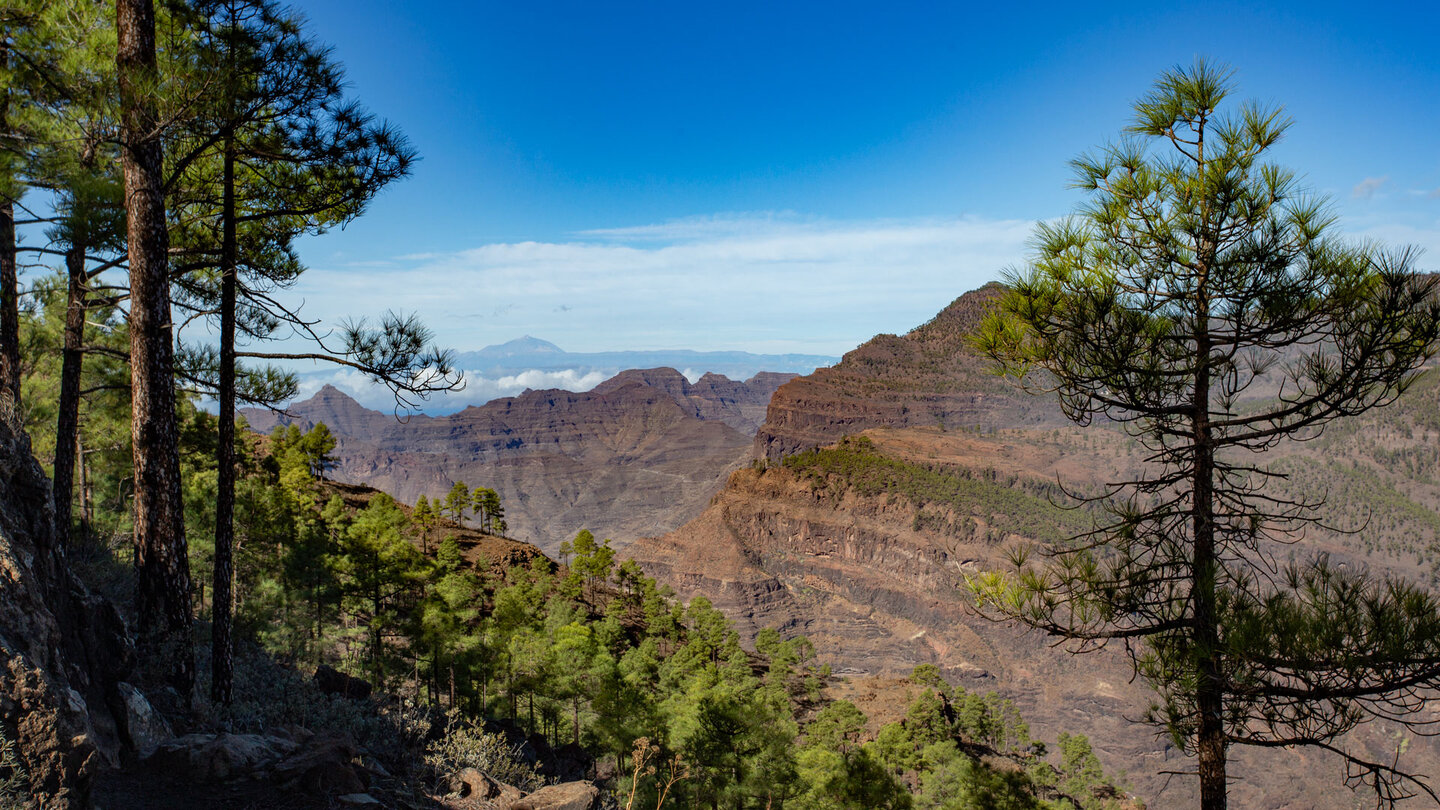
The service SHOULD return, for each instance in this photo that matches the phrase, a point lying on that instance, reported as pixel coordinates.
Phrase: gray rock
(323, 765)
(565, 796)
(147, 729)
(221, 757)
(63, 650)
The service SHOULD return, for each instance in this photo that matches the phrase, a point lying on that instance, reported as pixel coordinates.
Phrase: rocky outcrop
(566, 796)
(477, 786)
(626, 460)
(63, 651)
(870, 565)
(929, 377)
(713, 397)
(875, 579)
(297, 761)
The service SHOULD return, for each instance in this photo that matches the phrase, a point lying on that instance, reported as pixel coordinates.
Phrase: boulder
(472, 783)
(63, 650)
(323, 765)
(565, 796)
(332, 681)
(146, 727)
(221, 757)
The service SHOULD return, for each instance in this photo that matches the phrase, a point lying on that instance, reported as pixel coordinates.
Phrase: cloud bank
(771, 283)
(756, 282)
(478, 388)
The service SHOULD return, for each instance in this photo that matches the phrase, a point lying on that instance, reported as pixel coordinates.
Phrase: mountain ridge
(627, 460)
(881, 481)
(531, 353)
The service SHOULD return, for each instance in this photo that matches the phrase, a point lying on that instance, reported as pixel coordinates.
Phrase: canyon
(849, 504)
(879, 483)
(639, 455)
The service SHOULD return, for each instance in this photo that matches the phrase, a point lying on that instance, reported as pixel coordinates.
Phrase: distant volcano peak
(523, 345)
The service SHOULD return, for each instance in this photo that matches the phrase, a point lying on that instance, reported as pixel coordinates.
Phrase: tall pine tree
(163, 589)
(1196, 270)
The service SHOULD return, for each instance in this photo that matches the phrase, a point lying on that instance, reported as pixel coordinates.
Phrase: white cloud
(478, 388)
(757, 282)
(1366, 189)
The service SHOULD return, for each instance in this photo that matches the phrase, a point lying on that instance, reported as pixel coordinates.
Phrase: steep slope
(65, 710)
(863, 545)
(928, 377)
(477, 549)
(638, 456)
(713, 397)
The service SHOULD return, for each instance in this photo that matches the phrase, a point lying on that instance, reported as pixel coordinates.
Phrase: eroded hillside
(863, 543)
(639, 455)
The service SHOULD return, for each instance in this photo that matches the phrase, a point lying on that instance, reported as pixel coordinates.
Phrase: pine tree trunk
(67, 421)
(222, 651)
(9, 271)
(1210, 744)
(87, 495)
(1209, 699)
(163, 589)
(9, 304)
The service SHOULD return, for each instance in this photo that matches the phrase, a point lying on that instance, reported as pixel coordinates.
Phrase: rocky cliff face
(863, 546)
(874, 577)
(929, 377)
(713, 397)
(63, 651)
(638, 456)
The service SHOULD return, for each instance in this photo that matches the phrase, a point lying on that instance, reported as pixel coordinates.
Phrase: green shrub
(462, 744)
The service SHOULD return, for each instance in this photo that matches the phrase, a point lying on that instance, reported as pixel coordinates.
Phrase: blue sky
(801, 176)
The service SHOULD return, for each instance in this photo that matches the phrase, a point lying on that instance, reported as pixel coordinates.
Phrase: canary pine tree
(1202, 301)
(162, 559)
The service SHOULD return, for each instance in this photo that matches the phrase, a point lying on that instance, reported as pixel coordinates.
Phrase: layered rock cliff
(639, 455)
(862, 545)
(713, 397)
(929, 377)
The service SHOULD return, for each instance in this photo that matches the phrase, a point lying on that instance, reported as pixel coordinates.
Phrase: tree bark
(1210, 743)
(87, 495)
(1209, 698)
(222, 651)
(9, 303)
(67, 421)
(9, 271)
(163, 588)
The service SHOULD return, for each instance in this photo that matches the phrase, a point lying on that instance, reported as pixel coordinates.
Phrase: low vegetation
(509, 669)
(946, 498)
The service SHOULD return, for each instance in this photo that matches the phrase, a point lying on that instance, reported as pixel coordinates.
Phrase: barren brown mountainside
(739, 404)
(639, 455)
(862, 543)
(929, 377)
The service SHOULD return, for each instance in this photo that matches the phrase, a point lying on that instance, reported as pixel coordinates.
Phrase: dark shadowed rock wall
(63, 651)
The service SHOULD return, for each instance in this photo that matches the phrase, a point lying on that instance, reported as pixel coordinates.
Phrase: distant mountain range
(526, 353)
(862, 544)
(638, 455)
(529, 363)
